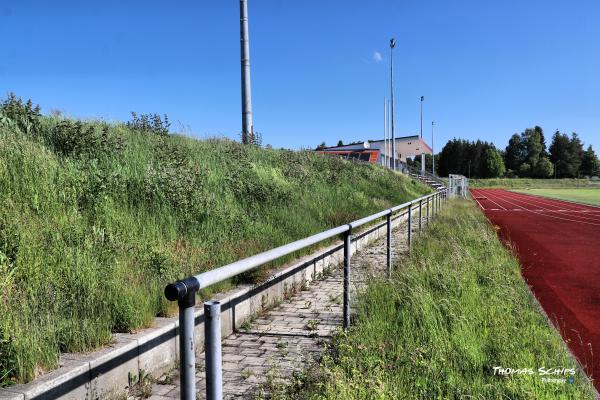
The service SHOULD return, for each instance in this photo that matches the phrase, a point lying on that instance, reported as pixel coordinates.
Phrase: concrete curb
(111, 370)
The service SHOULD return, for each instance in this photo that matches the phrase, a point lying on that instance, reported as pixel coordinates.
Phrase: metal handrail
(425, 174)
(184, 292)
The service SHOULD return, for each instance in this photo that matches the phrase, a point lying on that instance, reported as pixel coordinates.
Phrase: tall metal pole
(432, 151)
(392, 45)
(247, 127)
(389, 147)
(385, 111)
(422, 153)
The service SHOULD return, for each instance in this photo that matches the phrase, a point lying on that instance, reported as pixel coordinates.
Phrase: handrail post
(389, 243)
(428, 210)
(347, 257)
(212, 350)
(184, 292)
(420, 207)
(187, 355)
(409, 224)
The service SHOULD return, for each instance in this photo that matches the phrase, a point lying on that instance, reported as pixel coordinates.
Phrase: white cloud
(377, 57)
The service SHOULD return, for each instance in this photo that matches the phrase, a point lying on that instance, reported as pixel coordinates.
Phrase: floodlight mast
(422, 153)
(247, 127)
(385, 128)
(392, 45)
(432, 151)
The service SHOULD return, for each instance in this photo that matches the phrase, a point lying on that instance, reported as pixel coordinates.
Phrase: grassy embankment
(588, 196)
(524, 183)
(96, 218)
(457, 308)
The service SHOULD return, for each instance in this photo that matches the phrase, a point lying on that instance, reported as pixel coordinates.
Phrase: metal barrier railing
(184, 292)
(458, 185)
(425, 174)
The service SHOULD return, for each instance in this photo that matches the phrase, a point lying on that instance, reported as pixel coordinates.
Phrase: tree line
(525, 156)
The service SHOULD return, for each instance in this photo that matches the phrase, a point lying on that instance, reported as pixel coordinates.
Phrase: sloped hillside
(95, 218)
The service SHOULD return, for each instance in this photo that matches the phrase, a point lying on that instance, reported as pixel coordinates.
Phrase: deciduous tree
(590, 165)
(492, 164)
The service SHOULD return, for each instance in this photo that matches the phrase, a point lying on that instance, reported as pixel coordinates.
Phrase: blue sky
(487, 69)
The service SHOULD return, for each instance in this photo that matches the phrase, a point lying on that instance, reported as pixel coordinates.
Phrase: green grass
(523, 183)
(457, 308)
(588, 196)
(96, 218)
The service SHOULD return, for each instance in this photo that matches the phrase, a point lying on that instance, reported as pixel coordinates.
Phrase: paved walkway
(292, 335)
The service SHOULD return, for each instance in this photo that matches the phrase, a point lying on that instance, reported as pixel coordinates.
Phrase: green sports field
(588, 196)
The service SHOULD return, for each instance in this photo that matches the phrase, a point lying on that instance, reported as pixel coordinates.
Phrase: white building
(375, 151)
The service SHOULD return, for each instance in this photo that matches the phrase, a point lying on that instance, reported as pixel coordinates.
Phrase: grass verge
(454, 310)
(587, 196)
(524, 183)
(96, 218)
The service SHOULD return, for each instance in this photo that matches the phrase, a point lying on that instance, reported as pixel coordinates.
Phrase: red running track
(558, 244)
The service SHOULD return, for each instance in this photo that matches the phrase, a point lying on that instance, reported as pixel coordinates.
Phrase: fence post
(347, 257)
(409, 224)
(389, 243)
(428, 210)
(184, 292)
(420, 207)
(212, 350)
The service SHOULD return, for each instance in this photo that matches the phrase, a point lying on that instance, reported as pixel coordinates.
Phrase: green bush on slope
(96, 218)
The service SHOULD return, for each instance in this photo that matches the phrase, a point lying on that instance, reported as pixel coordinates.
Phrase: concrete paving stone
(161, 390)
(232, 357)
(159, 397)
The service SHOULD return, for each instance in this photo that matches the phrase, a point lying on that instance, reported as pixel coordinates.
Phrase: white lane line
(521, 198)
(578, 206)
(554, 203)
(496, 203)
(555, 217)
(475, 198)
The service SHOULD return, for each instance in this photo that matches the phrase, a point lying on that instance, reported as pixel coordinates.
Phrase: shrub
(25, 115)
(149, 123)
(76, 138)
